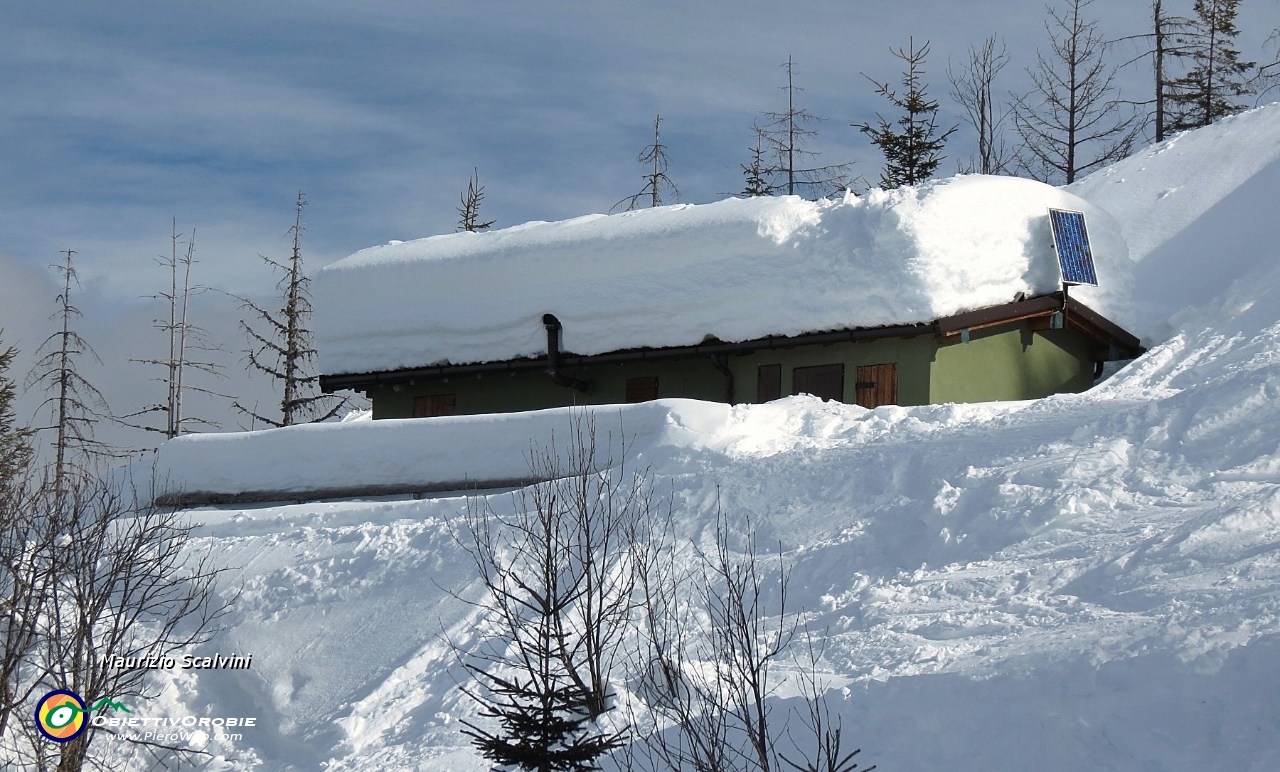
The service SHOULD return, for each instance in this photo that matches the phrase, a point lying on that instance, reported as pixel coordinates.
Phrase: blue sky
(116, 117)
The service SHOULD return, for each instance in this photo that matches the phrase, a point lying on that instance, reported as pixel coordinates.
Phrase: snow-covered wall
(449, 452)
(737, 269)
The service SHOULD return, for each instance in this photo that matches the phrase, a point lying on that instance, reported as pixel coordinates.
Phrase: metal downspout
(723, 366)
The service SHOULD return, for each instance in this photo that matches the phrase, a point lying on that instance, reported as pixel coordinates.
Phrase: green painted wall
(696, 379)
(1002, 364)
(913, 356)
(1010, 363)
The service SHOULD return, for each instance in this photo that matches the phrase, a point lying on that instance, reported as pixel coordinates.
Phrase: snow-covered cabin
(948, 292)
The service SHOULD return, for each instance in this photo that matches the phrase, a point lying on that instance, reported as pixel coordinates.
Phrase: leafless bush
(113, 578)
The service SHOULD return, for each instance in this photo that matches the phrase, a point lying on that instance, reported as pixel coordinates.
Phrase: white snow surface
(1193, 210)
(1084, 582)
(737, 269)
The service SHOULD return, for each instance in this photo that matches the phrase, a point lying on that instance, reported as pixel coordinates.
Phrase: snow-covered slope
(1087, 581)
(1197, 212)
(737, 269)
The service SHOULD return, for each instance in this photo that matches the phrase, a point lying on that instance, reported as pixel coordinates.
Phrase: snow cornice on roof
(734, 271)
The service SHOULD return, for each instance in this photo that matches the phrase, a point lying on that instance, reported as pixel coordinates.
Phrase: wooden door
(825, 381)
(877, 385)
(768, 383)
(642, 389)
(434, 405)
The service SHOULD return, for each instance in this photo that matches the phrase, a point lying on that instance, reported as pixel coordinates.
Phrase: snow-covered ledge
(410, 456)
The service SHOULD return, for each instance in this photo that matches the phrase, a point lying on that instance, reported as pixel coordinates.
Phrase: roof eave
(1120, 343)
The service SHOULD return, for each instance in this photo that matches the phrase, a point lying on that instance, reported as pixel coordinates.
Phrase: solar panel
(1071, 241)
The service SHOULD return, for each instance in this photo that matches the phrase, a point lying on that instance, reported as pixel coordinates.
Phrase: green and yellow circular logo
(61, 715)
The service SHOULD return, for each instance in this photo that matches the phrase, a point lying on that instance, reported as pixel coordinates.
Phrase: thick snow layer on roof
(737, 269)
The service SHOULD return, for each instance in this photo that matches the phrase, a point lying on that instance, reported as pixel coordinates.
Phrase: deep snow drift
(1083, 582)
(737, 269)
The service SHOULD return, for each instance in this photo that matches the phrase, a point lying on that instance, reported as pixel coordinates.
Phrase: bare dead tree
(469, 213)
(1164, 44)
(75, 403)
(787, 134)
(973, 88)
(559, 573)
(1072, 121)
(654, 158)
(124, 584)
(183, 337)
(284, 350)
(1268, 75)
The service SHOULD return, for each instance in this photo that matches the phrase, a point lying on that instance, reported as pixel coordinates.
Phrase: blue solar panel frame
(1071, 242)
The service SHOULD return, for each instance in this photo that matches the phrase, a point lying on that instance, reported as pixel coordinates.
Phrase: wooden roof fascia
(1102, 329)
(994, 316)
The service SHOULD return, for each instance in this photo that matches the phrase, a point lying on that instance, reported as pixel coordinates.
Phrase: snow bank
(465, 451)
(414, 454)
(737, 269)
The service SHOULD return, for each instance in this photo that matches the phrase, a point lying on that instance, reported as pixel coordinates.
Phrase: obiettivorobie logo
(61, 715)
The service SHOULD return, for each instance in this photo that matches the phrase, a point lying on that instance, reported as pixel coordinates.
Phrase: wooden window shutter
(434, 405)
(642, 389)
(877, 385)
(825, 381)
(768, 383)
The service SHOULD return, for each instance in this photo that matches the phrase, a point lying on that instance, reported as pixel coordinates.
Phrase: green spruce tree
(757, 172)
(912, 145)
(1217, 76)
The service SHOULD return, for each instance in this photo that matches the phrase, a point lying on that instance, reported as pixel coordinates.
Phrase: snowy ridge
(737, 269)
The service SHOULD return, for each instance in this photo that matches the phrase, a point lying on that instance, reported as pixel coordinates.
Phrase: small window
(434, 405)
(642, 389)
(768, 383)
(825, 381)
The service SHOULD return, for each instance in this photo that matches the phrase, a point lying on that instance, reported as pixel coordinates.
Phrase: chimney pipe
(553, 356)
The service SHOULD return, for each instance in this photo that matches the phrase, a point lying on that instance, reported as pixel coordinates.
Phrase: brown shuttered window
(825, 381)
(642, 389)
(877, 385)
(768, 382)
(434, 405)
